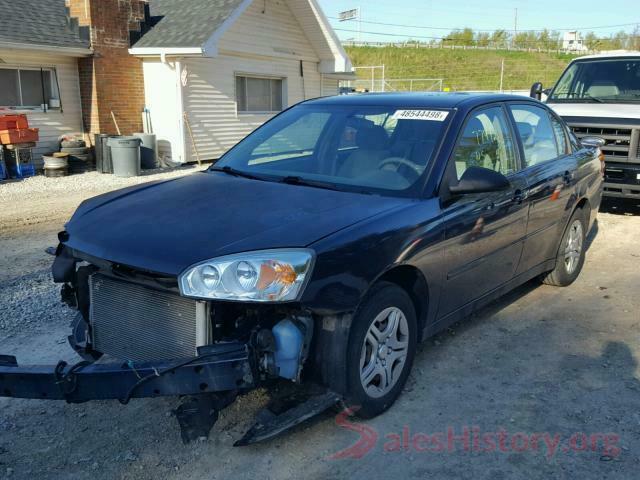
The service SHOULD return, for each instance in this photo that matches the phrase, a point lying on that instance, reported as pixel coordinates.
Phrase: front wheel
(571, 254)
(382, 346)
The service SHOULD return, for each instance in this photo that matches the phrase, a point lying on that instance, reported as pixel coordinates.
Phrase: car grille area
(133, 322)
(622, 144)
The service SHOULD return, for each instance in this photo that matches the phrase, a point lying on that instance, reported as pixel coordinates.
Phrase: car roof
(607, 56)
(418, 99)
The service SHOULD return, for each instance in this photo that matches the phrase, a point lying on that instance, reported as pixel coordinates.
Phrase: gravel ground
(39, 199)
(541, 360)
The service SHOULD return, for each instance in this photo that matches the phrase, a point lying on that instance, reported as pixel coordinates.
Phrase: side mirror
(480, 180)
(592, 141)
(536, 91)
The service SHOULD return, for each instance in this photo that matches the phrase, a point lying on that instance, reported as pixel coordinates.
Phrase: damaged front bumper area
(138, 337)
(219, 368)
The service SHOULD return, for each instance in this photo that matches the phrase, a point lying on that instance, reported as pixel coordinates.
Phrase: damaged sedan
(312, 258)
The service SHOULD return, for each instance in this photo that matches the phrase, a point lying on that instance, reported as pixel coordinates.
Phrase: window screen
(27, 87)
(254, 94)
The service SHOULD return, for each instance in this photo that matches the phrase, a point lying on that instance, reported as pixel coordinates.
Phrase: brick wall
(111, 80)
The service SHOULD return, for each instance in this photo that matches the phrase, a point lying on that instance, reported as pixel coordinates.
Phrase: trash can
(103, 153)
(148, 150)
(125, 156)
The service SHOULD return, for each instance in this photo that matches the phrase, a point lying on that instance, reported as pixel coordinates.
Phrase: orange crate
(13, 122)
(17, 136)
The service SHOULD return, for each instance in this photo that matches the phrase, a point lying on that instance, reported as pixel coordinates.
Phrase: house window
(256, 94)
(28, 88)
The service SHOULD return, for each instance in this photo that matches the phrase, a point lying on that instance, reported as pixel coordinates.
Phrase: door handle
(518, 196)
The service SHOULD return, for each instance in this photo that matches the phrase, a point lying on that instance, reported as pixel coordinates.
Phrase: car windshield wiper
(595, 99)
(236, 173)
(295, 180)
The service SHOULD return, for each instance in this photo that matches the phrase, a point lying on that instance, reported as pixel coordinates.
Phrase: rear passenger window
(561, 135)
(537, 134)
(486, 142)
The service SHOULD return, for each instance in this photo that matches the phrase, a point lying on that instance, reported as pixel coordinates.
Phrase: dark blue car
(318, 251)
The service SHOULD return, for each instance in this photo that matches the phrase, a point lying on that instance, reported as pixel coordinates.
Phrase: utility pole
(515, 26)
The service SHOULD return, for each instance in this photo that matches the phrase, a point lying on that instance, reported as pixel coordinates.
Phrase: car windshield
(601, 81)
(362, 148)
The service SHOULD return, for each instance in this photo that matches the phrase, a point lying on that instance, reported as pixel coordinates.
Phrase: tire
(74, 150)
(571, 253)
(84, 158)
(384, 300)
(73, 144)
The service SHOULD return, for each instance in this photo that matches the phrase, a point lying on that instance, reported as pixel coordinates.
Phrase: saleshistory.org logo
(472, 439)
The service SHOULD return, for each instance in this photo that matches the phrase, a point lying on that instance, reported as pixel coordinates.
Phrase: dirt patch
(542, 360)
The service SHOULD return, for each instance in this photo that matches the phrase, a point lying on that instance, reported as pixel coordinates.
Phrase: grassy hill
(459, 69)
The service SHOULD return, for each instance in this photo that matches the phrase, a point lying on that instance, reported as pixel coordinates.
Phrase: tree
(483, 39)
(592, 41)
(500, 39)
(461, 37)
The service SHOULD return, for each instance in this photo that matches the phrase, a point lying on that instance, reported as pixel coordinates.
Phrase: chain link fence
(509, 75)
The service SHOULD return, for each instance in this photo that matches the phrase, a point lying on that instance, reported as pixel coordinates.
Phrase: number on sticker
(432, 115)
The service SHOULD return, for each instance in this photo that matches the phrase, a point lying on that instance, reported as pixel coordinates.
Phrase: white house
(217, 69)
(573, 42)
(39, 50)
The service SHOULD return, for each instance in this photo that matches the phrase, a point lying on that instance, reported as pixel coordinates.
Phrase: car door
(549, 167)
(484, 233)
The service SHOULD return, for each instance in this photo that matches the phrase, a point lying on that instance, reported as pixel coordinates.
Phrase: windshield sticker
(433, 115)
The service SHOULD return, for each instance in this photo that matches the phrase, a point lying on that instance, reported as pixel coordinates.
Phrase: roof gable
(39, 23)
(175, 25)
(174, 29)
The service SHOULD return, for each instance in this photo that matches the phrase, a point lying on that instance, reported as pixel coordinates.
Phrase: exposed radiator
(133, 322)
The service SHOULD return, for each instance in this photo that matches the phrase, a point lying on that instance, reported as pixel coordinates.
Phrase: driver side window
(486, 142)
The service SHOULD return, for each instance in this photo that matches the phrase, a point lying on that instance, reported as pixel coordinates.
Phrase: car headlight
(262, 276)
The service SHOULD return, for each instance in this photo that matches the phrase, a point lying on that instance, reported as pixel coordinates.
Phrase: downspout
(180, 108)
(304, 88)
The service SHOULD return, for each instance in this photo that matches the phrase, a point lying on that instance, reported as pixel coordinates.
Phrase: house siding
(270, 44)
(53, 123)
(161, 98)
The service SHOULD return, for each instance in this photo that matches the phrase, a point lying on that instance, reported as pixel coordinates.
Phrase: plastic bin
(19, 162)
(3, 167)
(103, 152)
(125, 156)
(148, 150)
(25, 135)
(13, 122)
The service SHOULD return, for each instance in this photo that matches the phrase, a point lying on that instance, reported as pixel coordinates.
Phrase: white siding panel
(329, 87)
(271, 29)
(161, 98)
(209, 98)
(53, 123)
(267, 39)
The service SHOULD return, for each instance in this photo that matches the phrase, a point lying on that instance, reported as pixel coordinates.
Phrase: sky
(445, 15)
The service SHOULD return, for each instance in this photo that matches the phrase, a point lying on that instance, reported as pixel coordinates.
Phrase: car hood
(165, 227)
(596, 110)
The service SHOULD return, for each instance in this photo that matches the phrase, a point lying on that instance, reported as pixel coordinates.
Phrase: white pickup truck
(599, 95)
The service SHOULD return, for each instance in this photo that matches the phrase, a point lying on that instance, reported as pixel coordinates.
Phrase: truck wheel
(571, 253)
(382, 346)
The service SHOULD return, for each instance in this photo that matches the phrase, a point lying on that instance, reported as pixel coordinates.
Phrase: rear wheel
(571, 254)
(382, 346)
